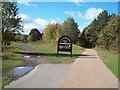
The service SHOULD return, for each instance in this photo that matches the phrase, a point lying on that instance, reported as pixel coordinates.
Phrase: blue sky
(40, 14)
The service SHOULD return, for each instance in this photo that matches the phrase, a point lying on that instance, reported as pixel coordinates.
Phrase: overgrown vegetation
(49, 51)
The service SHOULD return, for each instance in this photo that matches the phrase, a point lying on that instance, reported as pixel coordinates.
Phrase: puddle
(21, 71)
(39, 56)
(32, 56)
(27, 56)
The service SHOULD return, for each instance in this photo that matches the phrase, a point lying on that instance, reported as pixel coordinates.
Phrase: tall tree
(10, 21)
(70, 28)
(91, 32)
(109, 35)
(58, 32)
(51, 32)
(35, 34)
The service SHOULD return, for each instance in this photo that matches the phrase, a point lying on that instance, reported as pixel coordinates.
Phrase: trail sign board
(64, 44)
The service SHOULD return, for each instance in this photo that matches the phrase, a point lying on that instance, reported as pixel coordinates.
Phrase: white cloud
(85, 24)
(77, 2)
(39, 23)
(79, 15)
(29, 23)
(74, 14)
(92, 13)
(24, 17)
(81, 28)
(54, 21)
(89, 15)
(42, 23)
(26, 2)
(71, 13)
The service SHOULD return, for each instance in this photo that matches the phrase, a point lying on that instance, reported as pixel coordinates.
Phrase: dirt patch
(32, 60)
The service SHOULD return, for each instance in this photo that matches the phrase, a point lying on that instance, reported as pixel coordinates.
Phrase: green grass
(8, 65)
(13, 60)
(49, 51)
(110, 59)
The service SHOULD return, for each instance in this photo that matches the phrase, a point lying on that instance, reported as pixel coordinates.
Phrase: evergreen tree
(70, 28)
(35, 34)
(92, 31)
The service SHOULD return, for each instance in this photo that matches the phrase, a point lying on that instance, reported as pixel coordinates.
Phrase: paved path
(43, 76)
(88, 71)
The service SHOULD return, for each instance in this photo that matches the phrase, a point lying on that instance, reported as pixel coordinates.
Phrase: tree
(17, 37)
(70, 28)
(22, 38)
(54, 31)
(92, 31)
(58, 32)
(25, 37)
(35, 34)
(10, 21)
(109, 35)
(51, 32)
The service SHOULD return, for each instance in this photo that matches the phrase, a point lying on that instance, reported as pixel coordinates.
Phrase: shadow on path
(51, 54)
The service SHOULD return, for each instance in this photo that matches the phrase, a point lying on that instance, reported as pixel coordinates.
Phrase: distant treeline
(52, 32)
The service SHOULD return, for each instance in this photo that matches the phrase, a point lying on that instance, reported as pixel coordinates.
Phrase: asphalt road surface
(43, 76)
(89, 71)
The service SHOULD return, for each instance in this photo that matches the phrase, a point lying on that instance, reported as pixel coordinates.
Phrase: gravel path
(43, 76)
(31, 56)
(89, 71)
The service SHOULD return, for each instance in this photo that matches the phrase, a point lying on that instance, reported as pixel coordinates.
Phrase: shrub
(30, 38)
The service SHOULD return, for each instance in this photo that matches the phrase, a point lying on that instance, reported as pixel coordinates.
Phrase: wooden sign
(64, 44)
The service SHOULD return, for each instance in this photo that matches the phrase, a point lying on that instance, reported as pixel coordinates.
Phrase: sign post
(64, 44)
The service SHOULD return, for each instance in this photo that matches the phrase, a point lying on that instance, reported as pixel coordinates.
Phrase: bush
(30, 38)
(7, 52)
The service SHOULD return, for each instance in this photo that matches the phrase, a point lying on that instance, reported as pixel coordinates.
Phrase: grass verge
(10, 60)
(110, 59)
(49, 51)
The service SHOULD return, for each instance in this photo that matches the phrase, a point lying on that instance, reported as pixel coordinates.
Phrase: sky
(40, 14)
